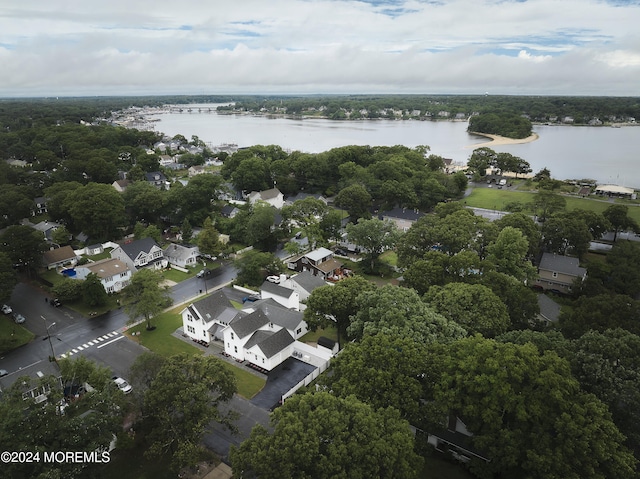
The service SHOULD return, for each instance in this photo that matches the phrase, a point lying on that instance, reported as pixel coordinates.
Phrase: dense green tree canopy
(322, 436)
(400, 312)
(503, 124)
(374, 237)
(528, 414)
(146, 297)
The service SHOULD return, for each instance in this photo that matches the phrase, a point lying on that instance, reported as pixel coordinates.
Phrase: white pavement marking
(85, 345)
(100, 339)
(105, 337)
(90, 343)
(109, 342)
(74, 350)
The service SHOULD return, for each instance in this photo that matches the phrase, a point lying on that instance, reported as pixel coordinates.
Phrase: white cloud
(457, 46)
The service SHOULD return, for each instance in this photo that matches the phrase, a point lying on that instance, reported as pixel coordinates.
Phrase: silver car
(18, 318)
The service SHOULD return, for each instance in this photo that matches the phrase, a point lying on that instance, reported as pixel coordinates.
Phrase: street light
(53, 354)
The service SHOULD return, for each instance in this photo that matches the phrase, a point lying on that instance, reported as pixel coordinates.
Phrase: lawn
(12, 335)
(161, 341)
(495, 199)
(312, 336)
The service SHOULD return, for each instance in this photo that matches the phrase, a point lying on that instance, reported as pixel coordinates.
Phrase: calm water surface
(605, 154)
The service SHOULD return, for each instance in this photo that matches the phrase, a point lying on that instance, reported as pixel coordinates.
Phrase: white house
(273, 196)
(264, 334)
(113, 273)
(285, 296)
(205, 319)
(144, 253)
(181, 255)
(303, 284)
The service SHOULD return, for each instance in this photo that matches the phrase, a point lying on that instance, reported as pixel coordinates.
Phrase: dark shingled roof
(246, 325)
(273, 288)
(133, 249)
(214, 305)
(308, 281)
(275, 343)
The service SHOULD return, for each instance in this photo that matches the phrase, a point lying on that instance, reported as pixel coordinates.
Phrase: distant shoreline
(497, 140)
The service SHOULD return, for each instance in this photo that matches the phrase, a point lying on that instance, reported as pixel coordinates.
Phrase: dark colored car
(251, 299)
(55, 303)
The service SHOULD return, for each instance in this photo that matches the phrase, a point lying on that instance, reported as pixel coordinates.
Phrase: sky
(156, 47)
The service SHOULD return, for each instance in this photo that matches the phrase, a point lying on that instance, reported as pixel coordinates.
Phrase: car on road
(6, 309)
(55, 303)
(18, 318)
(123, 385)
(3, 372)
(203, 272)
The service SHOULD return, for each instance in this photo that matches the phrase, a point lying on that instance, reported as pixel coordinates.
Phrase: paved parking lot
(279, 381)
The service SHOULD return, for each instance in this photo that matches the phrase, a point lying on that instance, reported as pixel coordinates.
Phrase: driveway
(279, 381)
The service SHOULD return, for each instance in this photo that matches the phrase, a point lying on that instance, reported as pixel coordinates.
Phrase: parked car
(273, 279)
(203, 272)
(18, 318)
(3, 372)
(251, 299)
(55, 303)
(123, 385)
(341, 252)
(6, 309)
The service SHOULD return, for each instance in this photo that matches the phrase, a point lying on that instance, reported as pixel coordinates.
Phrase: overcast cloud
(72, 47)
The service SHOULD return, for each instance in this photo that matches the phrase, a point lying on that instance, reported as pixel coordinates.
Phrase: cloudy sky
(73, 47)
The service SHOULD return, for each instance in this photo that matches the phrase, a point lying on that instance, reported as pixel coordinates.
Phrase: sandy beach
(497, 140)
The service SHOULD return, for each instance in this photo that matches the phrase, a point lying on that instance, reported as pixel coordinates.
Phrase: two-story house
(144, 253)
(205, 319)
(157, 179)
(558, 272)
(273, 196)
(59, 257)
(320, 262)
(181, 255)
(113, 273)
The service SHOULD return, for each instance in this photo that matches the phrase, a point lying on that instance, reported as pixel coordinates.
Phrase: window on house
(232, 336)
(554, 274)
(298, 331)
(235, 349)
(262, 360)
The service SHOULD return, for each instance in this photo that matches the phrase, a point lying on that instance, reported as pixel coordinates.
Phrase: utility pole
(53, 354)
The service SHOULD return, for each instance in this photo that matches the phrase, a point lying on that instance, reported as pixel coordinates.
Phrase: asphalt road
(99, 338)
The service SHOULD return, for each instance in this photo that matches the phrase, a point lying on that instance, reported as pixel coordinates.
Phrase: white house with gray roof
(144, 253)
(285, 296)
(181, 255)
(264, 334)
(272, 196)
(304, 283)
(114, 274)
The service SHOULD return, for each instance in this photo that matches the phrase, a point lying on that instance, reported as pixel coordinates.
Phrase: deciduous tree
(374, 236)
(145, 297)
(322, 436)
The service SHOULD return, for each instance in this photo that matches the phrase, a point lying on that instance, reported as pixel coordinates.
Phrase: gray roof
(257, 337)
(273, 288)
(402, 213)
(549, 309)
(318, 254)
(246, 325)
(178, 251)
(562, 264)
(275, 343)
(308, 281)
(212, 306)
(133, 249)
(287, 318)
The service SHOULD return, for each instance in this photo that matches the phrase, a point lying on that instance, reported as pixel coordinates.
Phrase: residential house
(121, 185)
(46, 228)
(157, 179)
(229, 211)
(59, 257)
(455, 439)
(264, 334)
(320, 262)
(558, 272)
(196, 170)
(304, 283)
(144, 253)
(39, 206)
(113, 273)
(285, 296)
(273, 197)
(549, 309)
(37, 387)
(403, 218)
(205, 319)
(181, 255)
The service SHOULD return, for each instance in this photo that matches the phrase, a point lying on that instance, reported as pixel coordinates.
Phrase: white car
(123, 385)
(6, 309)
(273, 279)
(18, 318)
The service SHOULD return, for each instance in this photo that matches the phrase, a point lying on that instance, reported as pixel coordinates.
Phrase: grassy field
(12, 335)
(312, 336)
(495, 199)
